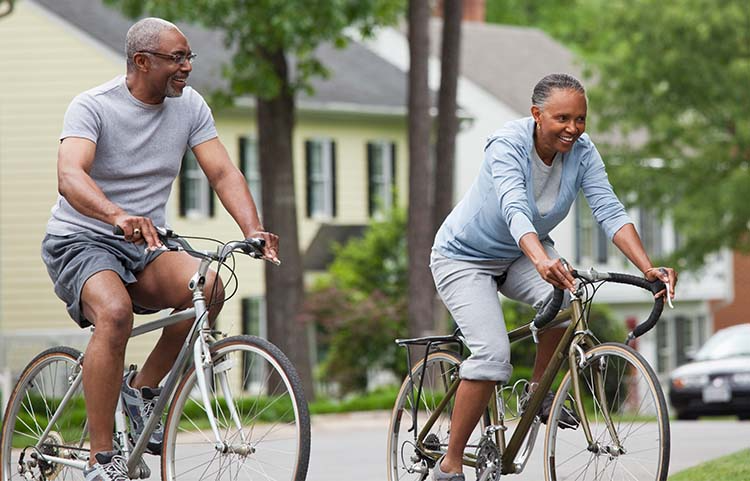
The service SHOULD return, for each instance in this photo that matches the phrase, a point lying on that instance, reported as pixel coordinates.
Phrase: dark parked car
(717, 381)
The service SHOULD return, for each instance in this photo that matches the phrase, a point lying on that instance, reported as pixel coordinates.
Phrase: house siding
(46, 62)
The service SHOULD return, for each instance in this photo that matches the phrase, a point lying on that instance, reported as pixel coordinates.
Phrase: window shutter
(333, 178)
(242, 147)
(183, 187)
(393, 173)
(211, 201)
(370, 174)
(308, 168)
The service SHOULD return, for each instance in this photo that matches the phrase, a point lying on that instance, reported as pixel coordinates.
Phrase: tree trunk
(284, 284)
(447, 129)
(421, 290)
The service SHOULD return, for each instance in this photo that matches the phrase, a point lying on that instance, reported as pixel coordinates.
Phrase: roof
(507, 61)
(319, 254)
(358, 76)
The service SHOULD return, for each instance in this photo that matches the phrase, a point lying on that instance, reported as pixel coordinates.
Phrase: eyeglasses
(178, 58)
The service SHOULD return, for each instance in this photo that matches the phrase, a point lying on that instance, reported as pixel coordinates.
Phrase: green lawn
(735, 467)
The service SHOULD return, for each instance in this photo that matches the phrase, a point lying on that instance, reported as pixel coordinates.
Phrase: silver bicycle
(234, 406)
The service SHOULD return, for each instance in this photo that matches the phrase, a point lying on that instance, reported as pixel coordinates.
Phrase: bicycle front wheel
(627, 413)
(49, 378)
(257, 400)
(412, 454)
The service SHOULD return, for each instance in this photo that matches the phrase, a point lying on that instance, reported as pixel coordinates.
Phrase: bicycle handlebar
(254, 247)
(651, 286)
(549, 310)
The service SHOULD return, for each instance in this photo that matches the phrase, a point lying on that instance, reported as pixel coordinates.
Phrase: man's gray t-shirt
(139, 150)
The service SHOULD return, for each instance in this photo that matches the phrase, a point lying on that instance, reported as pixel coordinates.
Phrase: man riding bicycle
(120, 151)
(497, 238)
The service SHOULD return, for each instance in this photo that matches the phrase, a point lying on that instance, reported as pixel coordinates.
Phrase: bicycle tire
(639, 415)
(404, 461)
(34, 398)
(283, 436)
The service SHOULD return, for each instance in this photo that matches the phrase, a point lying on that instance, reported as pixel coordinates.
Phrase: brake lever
(669, 293)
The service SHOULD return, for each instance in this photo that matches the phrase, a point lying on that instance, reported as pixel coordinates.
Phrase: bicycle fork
(578, 362)
(205, 370)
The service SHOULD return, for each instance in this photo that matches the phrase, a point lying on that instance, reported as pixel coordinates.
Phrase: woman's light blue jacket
(499, 207)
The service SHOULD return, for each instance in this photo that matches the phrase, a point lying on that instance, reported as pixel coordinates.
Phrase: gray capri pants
(470, 292)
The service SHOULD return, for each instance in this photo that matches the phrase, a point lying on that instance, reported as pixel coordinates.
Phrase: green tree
(263, 36)
(360, 307)
(674, 78)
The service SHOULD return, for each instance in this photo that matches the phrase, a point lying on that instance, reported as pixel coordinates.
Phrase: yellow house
(51, 50)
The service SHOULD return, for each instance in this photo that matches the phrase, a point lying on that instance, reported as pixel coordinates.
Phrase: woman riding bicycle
(497, 239)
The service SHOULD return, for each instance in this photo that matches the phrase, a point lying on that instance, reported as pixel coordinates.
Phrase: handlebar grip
(117, 230)
(549, 310)
(650, 286)
(256, 247)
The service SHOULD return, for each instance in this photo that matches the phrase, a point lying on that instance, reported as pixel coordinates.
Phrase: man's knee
(114, 323)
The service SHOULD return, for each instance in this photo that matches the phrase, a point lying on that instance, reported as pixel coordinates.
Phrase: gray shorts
(470, 292)
(72, 259)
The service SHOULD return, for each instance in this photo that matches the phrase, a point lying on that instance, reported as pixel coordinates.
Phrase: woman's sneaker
(139, 404)
(568, 419)
(109, 466)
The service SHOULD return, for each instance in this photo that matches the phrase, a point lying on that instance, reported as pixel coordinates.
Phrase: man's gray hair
(144, 35)
(555, 81)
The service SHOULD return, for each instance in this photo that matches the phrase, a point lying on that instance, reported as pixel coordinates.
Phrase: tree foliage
(360, 307)
(674, 78)
(253, 29)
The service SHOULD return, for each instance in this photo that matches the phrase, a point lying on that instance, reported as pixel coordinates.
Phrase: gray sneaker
(109, 466)
(138, 406)
(439, 475)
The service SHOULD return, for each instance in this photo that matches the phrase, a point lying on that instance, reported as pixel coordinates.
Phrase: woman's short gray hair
(555, 81)
(144, 35)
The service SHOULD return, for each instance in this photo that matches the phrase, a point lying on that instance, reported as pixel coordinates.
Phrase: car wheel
(744, 416)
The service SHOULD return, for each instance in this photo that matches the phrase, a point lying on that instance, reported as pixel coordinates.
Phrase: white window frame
(322, 180)
(384, 201)
(252, 176)
(198, 189)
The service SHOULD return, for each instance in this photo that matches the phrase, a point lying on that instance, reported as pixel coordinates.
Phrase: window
(381, 177)
(320, 166)
(592, 244)
(250, 167)
(677, 338)
(196, 196)
(651, 233)
(254, 324)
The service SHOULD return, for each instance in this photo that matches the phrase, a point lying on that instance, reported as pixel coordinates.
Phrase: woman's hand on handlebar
(271, 249)
(665, 274)
(138, 229)
(556, 273)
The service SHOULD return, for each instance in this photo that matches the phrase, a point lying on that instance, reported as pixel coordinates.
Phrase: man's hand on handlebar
(665, 274)
(271, 249)
(138, 229)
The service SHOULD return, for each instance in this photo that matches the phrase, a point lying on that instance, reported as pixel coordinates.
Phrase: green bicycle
(624, 423)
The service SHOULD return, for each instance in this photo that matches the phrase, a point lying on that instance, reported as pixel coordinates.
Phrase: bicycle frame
(199, 339)
(575, 340)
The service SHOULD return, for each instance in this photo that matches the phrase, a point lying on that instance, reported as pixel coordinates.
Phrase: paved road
(340, 443)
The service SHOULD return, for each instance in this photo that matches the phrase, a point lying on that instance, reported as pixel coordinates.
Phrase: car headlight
(685, 382)
(742, 378)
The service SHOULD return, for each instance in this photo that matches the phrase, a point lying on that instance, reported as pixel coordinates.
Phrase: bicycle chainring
(488, 458)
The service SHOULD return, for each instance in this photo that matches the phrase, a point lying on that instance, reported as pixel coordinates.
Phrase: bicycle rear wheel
(635, 402)
(34, 400)
(269, 438)
(405, 459)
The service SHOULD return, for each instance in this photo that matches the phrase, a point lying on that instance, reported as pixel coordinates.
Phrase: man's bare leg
(161, 285)
(107, 305)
